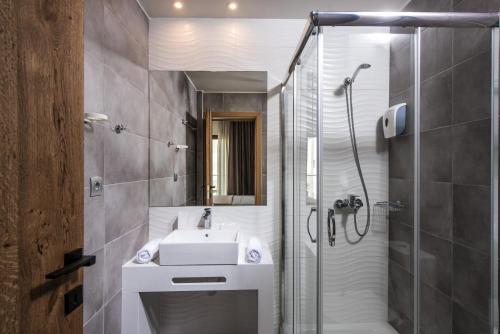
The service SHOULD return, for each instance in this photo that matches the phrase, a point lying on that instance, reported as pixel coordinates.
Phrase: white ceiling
(267, 9)
(230, 81)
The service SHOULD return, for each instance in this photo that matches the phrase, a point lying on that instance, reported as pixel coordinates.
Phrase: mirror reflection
(214, 154)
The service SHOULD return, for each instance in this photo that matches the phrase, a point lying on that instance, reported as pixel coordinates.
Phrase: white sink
(199, 247)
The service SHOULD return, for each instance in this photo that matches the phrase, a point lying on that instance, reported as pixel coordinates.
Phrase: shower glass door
(458, 179)
(300, 196)
(305, 194)
(364, 286)
(408, 216)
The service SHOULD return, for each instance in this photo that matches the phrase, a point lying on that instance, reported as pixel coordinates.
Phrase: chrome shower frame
(417, 20)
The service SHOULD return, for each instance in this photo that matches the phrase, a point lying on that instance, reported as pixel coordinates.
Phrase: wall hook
(119, 128)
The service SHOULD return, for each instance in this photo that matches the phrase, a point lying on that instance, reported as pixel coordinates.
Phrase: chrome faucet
(352, 202)
(207, 218)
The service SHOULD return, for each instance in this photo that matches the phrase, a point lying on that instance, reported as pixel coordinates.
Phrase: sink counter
(199, 247)
(152, 277)
(266, 260)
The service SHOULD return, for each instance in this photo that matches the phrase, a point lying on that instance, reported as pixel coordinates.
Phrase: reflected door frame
(210, 117)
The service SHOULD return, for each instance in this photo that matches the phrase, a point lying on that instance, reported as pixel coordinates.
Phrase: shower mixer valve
(352, 202)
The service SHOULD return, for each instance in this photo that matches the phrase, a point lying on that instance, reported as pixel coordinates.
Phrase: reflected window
(311, 169)
(215, 168)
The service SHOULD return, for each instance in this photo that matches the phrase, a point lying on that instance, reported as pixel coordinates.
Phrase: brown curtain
(241, 166)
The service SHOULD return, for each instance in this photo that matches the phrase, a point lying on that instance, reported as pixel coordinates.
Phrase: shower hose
(350, 120)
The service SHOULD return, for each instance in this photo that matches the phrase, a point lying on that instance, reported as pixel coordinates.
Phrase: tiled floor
(362, 328)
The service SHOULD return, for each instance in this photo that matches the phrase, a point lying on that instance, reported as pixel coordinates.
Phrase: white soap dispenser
(394, 120)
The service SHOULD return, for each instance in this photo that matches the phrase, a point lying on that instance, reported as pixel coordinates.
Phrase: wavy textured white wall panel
(224, 45)
(345, 49)
(355, 275)
(357, 37)
(232, 45)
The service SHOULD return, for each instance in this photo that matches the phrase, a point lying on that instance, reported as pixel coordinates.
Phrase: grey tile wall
(437, 54)
(92, 285)
(471, 89)
(128, 105)
(115, 83)
(400, 77)
(435, 155)
(173, 98)
(400, 298)
(94, 222)
(112, 315)
(436, 99)
(466, 323)
(125, 157)
(116, 253)
(126, 207)
(95, 325)
(471, 280)
(470, 42)
(435, 311)
(455, 172)
(436, 263)
(401, 157)
(437, 209)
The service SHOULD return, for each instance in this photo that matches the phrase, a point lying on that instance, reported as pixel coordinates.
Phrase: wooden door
(41, 145)
(207, 165)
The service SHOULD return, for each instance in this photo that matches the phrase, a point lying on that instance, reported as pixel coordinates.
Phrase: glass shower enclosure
(390, 175)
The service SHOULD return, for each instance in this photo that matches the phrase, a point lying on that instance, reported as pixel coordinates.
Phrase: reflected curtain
(223, 157)
(241, 169)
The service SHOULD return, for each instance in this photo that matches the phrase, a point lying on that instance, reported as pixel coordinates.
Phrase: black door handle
(72, 262)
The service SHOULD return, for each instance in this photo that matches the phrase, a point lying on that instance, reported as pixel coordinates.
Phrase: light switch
(96, 186)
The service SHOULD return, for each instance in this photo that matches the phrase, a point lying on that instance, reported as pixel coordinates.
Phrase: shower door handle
(332, 229)
(313, 209)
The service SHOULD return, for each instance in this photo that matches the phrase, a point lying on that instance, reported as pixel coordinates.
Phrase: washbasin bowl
(199, 247)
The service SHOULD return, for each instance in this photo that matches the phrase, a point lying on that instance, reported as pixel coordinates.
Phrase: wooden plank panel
(51, 154)
(45, 115)
(9, 269)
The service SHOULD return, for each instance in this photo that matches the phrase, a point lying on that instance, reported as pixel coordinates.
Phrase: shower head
(360, 67)
(349, 81)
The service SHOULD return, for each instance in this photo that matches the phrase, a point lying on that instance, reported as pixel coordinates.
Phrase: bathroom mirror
(207, 138)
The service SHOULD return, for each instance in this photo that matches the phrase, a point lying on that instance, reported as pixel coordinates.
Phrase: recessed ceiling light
(232, 6)
(178, 5)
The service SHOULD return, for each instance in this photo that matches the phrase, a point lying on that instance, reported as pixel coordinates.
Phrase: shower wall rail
(416, 20)
(390, 19)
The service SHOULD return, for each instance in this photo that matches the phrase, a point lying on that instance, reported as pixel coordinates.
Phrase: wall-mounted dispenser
(394, 120)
